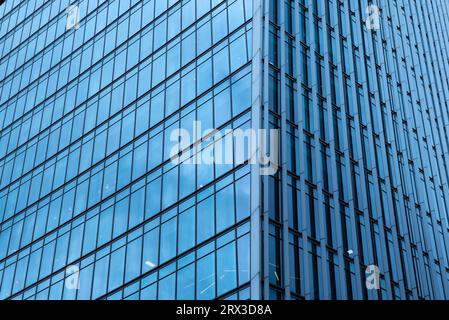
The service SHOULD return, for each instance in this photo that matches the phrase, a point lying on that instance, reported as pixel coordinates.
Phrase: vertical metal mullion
(265, 125)
(256, 263)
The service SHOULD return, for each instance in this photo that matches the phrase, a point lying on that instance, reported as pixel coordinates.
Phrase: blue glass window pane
(226, 269)
(186, 283)
(225, 208)
(205, 278)
(168, 240)
(206, 220)
(133, 259)
(186, 230)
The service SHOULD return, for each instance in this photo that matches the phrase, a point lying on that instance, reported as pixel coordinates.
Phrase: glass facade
(92, 90)
(86, 177)
(360, 92)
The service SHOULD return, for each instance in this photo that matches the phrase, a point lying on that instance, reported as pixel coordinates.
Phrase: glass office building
(92, 206)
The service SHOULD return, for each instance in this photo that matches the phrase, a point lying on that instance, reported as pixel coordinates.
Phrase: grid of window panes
(365, 115)
(85, 173)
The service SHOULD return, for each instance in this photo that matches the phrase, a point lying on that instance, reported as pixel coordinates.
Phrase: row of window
(54, 29)
(210, 271)
(162, 191)
(152, 38)
(181, 88)
(53, 56)
(212, 214)
(21, 19)
(215, 109)
(53, 15)
(220, 61)
(169, 184)
(6, 9)
(137, 49)
(32, 36)
(148, 246)
(120, 170)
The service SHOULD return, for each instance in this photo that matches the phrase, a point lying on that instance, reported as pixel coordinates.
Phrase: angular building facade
(93, 206)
